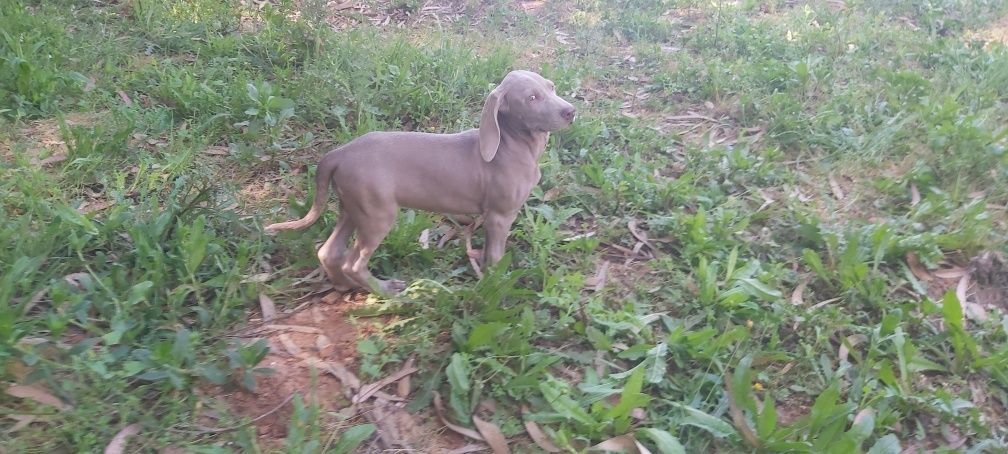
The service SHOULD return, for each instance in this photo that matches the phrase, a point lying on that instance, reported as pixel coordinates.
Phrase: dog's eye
(532, 97)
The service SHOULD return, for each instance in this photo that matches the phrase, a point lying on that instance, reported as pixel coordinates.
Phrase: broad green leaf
(483, 335)
(630, 398)
(823, 407)
(766, 422)
(556, 393)
(212, 373)
(351, 438)
(666, 442)
(863, 426)
(715, 426)
(761, 290)
(458, 373)
(598, 339)
(888, 444)
(75, 217)
(656, 370)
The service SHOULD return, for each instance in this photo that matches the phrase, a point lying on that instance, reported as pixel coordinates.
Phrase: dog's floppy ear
(489, 130)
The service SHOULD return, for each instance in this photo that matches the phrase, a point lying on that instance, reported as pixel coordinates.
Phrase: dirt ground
(313, 352)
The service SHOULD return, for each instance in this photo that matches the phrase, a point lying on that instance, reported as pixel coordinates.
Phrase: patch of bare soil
(996, 32)
(313, 353)
(44, 140)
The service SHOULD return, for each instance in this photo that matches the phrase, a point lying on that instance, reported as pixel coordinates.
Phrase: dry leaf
(863, 414)
(640, 448)
(294, 328)
(835, 187)
(439, 409)
(403, 387)
(598, 281)
(76, 279)
(368, 390)
(216, 150)
(917, 269)
(268, 307)
(954, 272)
(622, 443)
(492, 435)
(551, 194)
(853, 340)
(338, 370)
(537, 435)
(915, 196)
(425, 239)
(289, 345)
(58, 157)
(799, 291)
(975, 312)
(640, 236)
(118, 443)
(324, 346)
(125, 98)
(961, 288)
(37, 394)
(22, 422)
(468, 448)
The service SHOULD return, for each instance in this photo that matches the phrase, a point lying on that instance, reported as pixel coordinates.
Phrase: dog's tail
(323, 178)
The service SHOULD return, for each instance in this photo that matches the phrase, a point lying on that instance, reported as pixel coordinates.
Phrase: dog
(488, 171)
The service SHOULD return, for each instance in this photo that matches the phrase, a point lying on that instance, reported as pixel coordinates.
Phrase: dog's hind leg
(332, 255)
(379, 224)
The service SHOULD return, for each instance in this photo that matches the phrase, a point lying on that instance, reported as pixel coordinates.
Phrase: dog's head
(528, 100)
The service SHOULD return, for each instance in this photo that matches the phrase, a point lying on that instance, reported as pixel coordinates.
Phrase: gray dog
(488, 171)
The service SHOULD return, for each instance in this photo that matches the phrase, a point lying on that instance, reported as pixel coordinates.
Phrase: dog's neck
(521, 139)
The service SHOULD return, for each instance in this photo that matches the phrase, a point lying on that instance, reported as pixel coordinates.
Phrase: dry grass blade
(439, 409)
(118, 443)
(368, 390)
(267, 307)
(915, 196)
(537, 435)
(492, 435)
(38, 395)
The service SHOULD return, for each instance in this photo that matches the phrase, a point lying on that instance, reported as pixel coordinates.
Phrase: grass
(721, 240)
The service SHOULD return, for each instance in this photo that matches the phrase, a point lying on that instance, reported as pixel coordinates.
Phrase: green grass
(123, 310)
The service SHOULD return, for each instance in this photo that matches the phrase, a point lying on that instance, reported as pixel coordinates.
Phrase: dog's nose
(568, 113)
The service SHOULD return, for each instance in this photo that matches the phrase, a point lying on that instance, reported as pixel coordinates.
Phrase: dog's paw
(391, 286)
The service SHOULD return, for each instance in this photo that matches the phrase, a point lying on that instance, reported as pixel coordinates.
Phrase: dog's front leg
(498, 227)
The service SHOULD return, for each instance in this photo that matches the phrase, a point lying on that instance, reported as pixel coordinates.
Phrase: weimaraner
(488, 171)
